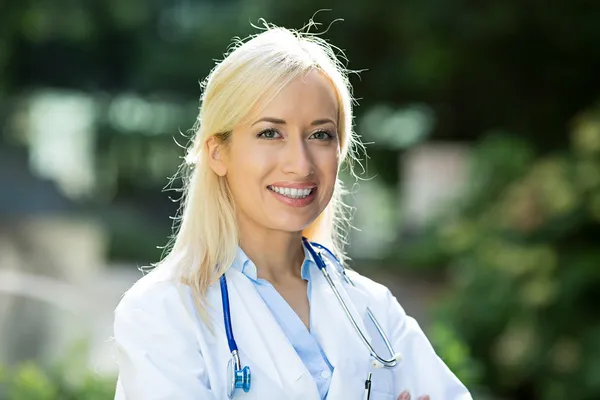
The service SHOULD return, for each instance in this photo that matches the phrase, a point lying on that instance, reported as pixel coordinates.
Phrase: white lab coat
(166, 352)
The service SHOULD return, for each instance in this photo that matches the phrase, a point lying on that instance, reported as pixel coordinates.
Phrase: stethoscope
(240, 377)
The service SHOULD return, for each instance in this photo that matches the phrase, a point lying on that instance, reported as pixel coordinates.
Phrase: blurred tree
(526, 260)
(525, 67)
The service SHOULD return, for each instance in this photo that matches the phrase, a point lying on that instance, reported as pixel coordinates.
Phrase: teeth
(291, 192)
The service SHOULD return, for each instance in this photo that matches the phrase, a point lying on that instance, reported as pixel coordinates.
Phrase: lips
(292, 192)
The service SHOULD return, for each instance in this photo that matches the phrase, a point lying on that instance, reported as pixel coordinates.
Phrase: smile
(292, 193)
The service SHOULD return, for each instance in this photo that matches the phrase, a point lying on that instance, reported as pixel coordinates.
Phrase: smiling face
(281, 166)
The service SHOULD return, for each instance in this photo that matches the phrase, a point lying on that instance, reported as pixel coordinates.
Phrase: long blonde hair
(255, 70)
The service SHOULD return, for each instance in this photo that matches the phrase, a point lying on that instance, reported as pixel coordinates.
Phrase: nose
(297, 158)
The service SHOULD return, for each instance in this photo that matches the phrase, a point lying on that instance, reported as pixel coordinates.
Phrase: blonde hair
(255, 70)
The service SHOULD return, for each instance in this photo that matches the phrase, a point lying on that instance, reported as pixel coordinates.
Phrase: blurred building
(55, 288)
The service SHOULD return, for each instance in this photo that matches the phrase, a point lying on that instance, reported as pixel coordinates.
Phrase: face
(282, 165)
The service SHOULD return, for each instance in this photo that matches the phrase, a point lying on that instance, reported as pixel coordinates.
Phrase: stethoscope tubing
(226, 315)
(390, 363)
(381, 362)
(228, 328)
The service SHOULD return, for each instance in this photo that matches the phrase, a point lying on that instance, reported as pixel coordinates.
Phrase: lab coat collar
(243, 264)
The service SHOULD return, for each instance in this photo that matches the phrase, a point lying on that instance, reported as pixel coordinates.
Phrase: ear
(214, 151)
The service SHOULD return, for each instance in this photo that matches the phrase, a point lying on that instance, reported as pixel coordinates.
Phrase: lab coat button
(325, 374)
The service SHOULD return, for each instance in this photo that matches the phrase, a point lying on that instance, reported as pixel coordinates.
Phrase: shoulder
(154, 290)
(367, 284)
(161, 296)
(379, 295)
(157, 296)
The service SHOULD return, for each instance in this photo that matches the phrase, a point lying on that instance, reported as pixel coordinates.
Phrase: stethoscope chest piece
(238, 378)
(231, 375)
(242, 379)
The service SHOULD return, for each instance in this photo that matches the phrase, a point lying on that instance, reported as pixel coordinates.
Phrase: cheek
(333, 162)
(246, 171)
(329, 167)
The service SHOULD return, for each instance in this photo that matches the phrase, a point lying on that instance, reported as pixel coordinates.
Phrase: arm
(158, 355)
(421, 371)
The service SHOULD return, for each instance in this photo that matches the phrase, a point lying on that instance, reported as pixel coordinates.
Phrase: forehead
(308, 97)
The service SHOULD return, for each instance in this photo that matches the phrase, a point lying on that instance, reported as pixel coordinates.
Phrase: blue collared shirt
(306, 345)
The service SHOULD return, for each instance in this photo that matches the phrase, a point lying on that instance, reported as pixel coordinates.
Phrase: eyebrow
(282, 122)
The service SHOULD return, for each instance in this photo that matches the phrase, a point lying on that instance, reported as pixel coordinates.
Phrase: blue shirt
(306, 346)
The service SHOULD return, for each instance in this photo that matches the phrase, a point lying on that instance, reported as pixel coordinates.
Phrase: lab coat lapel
(338, 338)
(261, 339)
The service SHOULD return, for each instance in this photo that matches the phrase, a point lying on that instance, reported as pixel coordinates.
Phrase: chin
(292, 224)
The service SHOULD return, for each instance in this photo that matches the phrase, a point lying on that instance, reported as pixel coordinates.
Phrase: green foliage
(32, 382)
(455, 353)
(29, 382)
(525, 255)
(67, 380)
(424, 255)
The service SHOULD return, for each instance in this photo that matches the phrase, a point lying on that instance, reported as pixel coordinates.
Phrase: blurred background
(479, 207)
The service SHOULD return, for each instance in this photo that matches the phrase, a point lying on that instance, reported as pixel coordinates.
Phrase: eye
(322, 135)
(269, 134)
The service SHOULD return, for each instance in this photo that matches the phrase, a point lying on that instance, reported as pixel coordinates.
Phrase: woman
(274, 128)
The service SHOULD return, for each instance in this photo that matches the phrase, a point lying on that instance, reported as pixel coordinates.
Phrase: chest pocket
(381, 396)
(382, 380)
(382, 384)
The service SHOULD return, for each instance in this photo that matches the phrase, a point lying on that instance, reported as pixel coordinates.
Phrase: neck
(277, 255)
